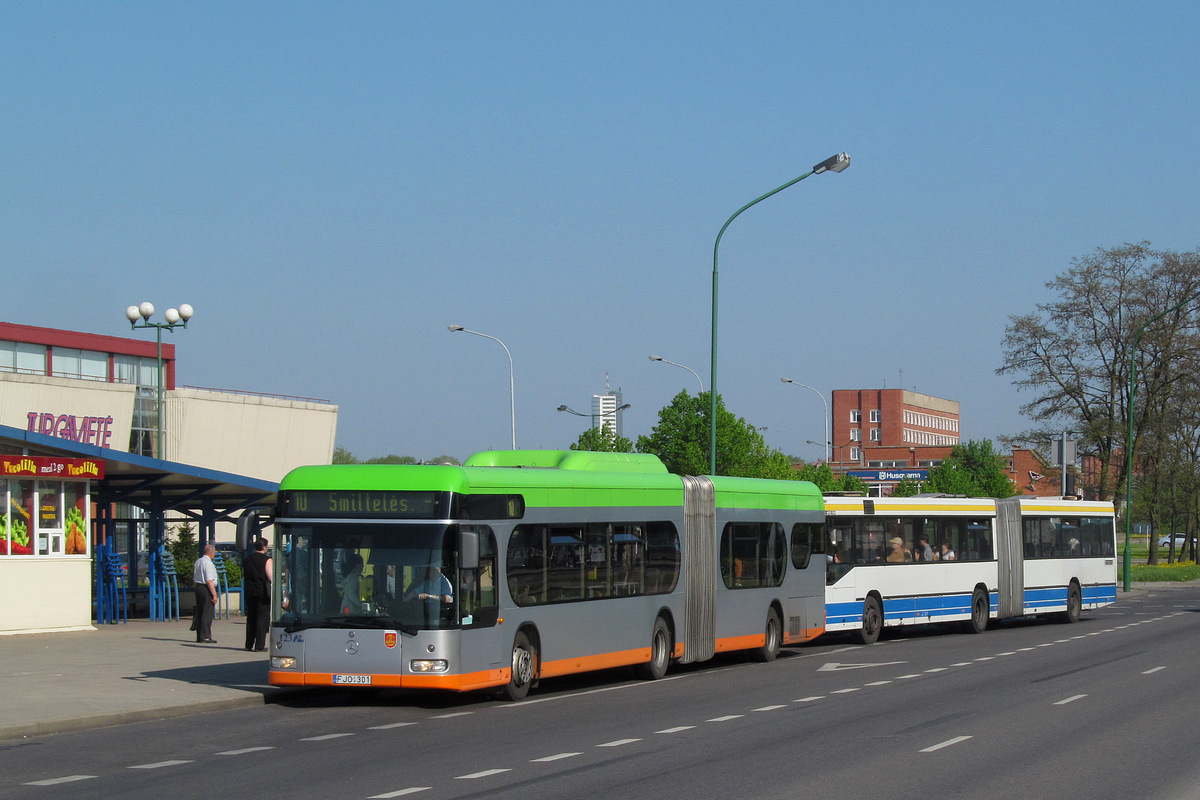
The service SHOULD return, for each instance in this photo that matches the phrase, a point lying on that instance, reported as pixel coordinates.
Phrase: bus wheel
(524, 668)
(1074, 604)
(773, 640)
(660, 652)
(872, 622)
(979, 613)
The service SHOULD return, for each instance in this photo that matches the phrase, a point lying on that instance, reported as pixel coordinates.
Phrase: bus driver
(435, 586)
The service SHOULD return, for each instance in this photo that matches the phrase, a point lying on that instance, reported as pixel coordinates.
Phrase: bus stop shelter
(158, 488)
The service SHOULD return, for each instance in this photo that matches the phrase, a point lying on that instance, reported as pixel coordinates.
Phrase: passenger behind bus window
(898, 555)
(923, 552)
(947, 554)
(352, 568)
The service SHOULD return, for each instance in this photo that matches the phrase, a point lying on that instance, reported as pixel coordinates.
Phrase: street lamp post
(824, 401)
(593, 417)
(1126, 558)
(512, 397)
(176, 318)
(681, 366)
(835, 163)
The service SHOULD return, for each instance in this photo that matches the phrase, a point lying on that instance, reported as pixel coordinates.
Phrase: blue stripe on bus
(936, 607)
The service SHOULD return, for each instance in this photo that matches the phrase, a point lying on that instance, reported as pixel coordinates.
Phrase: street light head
(454, 328)
(146, 310)
(172, 316)
(623, 408)
(185, 312)
(787, 380)
(832, 164)
(562, 408)
(133, 314)
(656, 358)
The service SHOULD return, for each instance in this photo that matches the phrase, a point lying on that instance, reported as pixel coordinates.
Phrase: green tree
(391, 459)
(822, 475)
(908, 487)
(343, 456)
(681, 440)
(181, 543)
(602, 440)
(973, 469)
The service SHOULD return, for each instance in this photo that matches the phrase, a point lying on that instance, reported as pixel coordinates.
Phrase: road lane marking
(728, 717)
(64, 779)
(846, 691)
(834, 666)
(938, 669)
(400, 792)
(325, 737)
(810, 699)
(906, 677)
(962, 664)
(1071, 699)
(451, 715)
(618, 742)
(487, 773)
(1152, 671)
(161, 764)
(555, 757)
(768, 708)
(878, 683)
(946, 743)
(243, 751)
(390, 725)
(676, 729)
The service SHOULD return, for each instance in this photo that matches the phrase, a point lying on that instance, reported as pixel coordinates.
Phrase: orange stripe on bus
(568, 666)
(740, 642)
(454, 683)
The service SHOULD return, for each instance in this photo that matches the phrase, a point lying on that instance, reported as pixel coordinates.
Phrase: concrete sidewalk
(68, 681)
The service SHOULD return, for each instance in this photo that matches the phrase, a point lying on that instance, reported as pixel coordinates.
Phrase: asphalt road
(1102, 709)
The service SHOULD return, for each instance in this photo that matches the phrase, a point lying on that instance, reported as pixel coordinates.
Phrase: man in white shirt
(204, 573)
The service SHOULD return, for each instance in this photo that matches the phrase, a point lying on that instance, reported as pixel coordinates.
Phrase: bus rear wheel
(773, 639)
(979, 613)
(872, 622)
(524, 668)
(660, 652)
(1074, 604)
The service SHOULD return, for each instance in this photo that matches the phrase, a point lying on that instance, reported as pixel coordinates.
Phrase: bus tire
(1074, 604)
(773, 639)
(980, 611)
(660, 652)
(872, 622)
(524, 668)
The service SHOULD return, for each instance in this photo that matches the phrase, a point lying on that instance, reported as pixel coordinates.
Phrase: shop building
(79, 422)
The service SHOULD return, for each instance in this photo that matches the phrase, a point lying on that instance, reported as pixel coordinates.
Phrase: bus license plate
(358, 680)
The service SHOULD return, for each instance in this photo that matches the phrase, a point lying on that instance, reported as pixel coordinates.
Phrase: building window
(855, 416)
(23, 357)
(874, 415)
(855, 435)
(874, 434)
(855, 454)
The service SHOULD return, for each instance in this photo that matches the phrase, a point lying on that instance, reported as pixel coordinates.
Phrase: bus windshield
(341, 574)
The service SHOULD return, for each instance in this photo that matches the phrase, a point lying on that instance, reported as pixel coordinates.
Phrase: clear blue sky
(330, 185)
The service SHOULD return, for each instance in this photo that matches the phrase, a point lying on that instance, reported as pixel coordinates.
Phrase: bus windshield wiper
(361, 621)
(297, 624)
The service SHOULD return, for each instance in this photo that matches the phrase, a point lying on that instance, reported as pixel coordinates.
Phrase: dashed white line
(878, 683)
(487, 773)
(946, 743)
(1154, 670)
(1071, 699)
(676, 729)
(618, 742)
(452, 715)
(846, 691)
(809, 699)
(728, 717)
(938, 669)
(555, 757)
(390, 725)
(161, 764)
(64, 779)
(325, 737)
(243, 751)
(768, 708)
(962, 664)
(400, 792)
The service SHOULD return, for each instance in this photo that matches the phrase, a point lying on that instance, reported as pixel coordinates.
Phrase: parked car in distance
(1165, 541)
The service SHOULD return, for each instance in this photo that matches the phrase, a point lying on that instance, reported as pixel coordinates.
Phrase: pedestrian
(256, 573)
(205, 576)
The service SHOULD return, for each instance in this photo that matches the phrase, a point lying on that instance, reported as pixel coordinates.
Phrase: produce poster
(66, 469)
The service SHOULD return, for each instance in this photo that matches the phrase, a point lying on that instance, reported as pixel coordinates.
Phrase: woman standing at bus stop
(256, 570)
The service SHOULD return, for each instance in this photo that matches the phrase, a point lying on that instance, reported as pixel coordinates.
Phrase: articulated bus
(914, 560)
(521, 565)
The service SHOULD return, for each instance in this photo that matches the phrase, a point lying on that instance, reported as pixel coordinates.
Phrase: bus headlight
(429, 665)
(283, 662)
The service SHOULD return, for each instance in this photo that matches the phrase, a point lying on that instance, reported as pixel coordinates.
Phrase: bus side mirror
(247, 530)
(468, 550)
